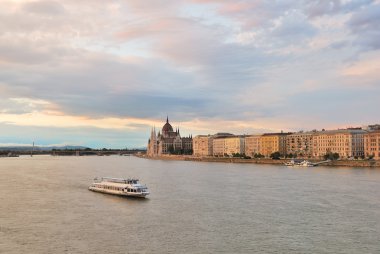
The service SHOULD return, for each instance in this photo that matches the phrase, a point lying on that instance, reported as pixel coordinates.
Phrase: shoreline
(337, 163)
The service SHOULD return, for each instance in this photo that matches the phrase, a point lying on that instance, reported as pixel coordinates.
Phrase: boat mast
(31, 152)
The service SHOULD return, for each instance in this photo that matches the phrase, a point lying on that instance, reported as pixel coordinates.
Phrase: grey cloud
(44, 7)
(323, 7)
(331, 7)
(331, 105)
(365, 26)
(294, 27)
(24, 52)
(189, 68)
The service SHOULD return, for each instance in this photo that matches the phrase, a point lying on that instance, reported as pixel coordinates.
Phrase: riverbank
(337, 163)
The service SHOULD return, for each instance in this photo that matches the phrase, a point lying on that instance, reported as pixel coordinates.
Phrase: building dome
(167, 127)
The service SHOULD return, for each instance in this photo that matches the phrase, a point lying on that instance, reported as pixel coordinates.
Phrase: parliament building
(168, 141)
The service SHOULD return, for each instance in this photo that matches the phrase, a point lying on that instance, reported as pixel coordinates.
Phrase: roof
(277, 134)
(222, 134)
(167, 127)
(121, 185)
(343, 131)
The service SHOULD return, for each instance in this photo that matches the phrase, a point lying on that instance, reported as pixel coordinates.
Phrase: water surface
(194, 207)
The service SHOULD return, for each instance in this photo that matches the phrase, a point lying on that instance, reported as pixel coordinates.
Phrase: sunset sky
(102, 73)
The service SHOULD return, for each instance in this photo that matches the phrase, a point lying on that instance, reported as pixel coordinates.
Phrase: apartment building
(372, 144)
(234, 145)
(228, 145)
(202, 145)
(300, 144)
(252, 145)
(273, 142)
(347, 142)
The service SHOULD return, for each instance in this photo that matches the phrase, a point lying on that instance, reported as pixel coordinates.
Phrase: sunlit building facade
(300, 144)
(202, 145)
(226, 144)
(273, 142)
(234, 145)
(372, 144)
(347, 143)
(252, 145)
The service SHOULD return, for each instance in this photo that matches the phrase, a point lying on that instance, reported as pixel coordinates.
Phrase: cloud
(333, 7)
(122, 66)
(365, 26)
(46, 7)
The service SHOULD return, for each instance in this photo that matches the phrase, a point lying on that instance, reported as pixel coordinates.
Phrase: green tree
(275, 156)
(331, 156)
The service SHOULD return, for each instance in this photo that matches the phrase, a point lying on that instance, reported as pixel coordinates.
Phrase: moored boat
(304, 163)
(290, 163)
(119, 186)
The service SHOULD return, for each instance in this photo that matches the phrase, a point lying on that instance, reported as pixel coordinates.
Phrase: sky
(103, 73)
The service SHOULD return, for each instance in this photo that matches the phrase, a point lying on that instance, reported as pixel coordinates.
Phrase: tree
(335, 156)
(275, 156)
(171, 149)
(331, 156)
(258, 156)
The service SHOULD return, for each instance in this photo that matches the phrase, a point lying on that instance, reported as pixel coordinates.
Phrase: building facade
(300, 144)
(252, 145)
(168, 142)
(202, 145)
(347, 143)
(226, 144)
(372, 144)
(234, 145)
(273, 142)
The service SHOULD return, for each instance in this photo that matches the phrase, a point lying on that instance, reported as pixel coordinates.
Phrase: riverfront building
(372, 144)
(218, 143)
(234, 145)
(168, 142)
(300, 144)
(252, 145)
(347, 142)
(273, 142)
(202, 145)
(226, 144)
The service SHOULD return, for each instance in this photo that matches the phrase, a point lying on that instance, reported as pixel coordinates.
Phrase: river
(194, 207)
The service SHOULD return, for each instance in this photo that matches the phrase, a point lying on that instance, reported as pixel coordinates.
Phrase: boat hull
(119, 193)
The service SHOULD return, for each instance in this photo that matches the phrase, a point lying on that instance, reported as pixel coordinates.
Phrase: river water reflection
(194, 207)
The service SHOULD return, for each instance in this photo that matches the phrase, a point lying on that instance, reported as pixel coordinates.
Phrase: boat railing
(115, 180)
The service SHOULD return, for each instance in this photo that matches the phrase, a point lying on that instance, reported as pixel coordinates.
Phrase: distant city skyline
(101, 74)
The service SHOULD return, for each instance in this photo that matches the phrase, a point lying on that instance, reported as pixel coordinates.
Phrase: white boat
(119, 186)
(303, 163)
(290, 163)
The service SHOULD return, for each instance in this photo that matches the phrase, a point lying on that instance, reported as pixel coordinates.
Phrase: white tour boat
(119, 186)
(304, 163)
